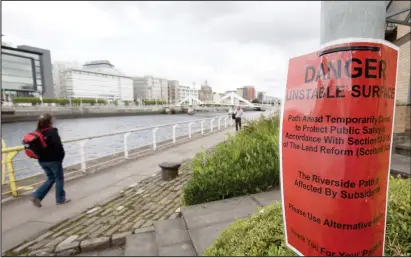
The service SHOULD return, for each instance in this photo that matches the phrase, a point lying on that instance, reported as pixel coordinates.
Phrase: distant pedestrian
(50, 158)
(238, 114)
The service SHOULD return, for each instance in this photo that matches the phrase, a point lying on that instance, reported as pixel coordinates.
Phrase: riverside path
(21, 221)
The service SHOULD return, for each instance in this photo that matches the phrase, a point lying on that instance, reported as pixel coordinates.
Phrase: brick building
(398, 32)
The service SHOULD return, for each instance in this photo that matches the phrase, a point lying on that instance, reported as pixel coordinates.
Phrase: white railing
(83, 163)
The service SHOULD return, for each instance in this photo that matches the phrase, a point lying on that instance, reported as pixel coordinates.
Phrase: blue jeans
(55, 174)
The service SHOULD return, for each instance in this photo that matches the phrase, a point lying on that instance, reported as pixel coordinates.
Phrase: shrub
(126, 103)
(262, 234)
(116, 102)
(398, 238)
(102, 101)
(247, 163)
(154, 102)
(32, 100)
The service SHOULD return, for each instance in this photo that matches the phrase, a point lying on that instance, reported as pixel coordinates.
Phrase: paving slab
(171, 232)
(112, 252)
(163, 226)
(182, 249)
(172, 237)
(267, 198)
(24, 231)
(401, 165)
(203, 237)
(201, 215)
(143, 244)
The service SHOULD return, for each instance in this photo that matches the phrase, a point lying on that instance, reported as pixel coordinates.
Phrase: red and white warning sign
(336, 131)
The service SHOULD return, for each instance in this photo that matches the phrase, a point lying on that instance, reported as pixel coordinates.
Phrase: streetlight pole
(352, 19)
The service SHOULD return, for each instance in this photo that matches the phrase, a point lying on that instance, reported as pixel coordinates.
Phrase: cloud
(229, 44)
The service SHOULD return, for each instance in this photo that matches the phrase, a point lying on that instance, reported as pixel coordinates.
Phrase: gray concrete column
(356, 19)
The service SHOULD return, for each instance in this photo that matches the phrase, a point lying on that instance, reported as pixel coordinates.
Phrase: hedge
(245, 164)
(262, 234)
(154, 102)
(32, 100)
(59, 101)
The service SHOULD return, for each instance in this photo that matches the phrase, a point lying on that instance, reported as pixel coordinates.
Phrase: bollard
(169, 170)
(174, 133)
(125, 145)
(83, 155)
(154, 138)
(189, 130)
(225, 122)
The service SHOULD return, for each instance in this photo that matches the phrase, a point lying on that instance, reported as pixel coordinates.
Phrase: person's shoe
(36, 202)
(65, 201)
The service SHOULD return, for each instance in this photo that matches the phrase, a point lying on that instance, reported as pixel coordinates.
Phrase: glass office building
(23, 73)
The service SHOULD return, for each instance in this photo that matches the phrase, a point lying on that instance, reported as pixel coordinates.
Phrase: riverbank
(31, 113)
(14, 115)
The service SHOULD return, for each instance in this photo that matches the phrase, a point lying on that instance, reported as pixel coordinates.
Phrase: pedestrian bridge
(229, 100)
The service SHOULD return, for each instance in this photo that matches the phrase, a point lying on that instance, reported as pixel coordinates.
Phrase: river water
(83, 127)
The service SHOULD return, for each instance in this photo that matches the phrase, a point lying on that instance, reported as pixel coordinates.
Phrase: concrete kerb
(97, 165)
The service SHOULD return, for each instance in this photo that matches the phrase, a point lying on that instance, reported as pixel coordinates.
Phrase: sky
(229, 44)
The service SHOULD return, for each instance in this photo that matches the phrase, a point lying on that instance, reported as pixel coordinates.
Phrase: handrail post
(211, 124)
(202, 127)
(3, 162)
(174, 133)
(83, 155)
(219, 122)
(10, 169)
(154, 138)
(126, 135)
(225, 122)
(189, 130)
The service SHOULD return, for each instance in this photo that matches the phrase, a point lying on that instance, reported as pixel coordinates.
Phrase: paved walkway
(194, 232)
(21, 221)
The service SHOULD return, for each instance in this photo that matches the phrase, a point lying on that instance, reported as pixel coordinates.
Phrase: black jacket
(54, 150)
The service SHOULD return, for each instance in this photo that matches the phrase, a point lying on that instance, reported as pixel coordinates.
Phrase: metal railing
(9, 159)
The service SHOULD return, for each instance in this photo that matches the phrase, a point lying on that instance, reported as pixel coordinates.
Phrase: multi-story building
(97, 79)
(206, 93)
(398, 31)
(151, 88)
(240, 92)
(184, 92)
(58, 74)
(400, 35)
(249, 93)
(262, 96)
(173, 86)
(26, 71)
(272, 100)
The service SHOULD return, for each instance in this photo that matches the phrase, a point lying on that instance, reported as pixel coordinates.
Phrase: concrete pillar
(354, 19)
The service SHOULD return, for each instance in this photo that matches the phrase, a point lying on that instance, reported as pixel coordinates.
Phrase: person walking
(238, 114)
(51, 160)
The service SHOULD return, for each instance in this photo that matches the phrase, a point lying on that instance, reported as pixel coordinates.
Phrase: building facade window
(18, 73)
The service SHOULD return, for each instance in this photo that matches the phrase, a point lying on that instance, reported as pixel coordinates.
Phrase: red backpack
(34, 143)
